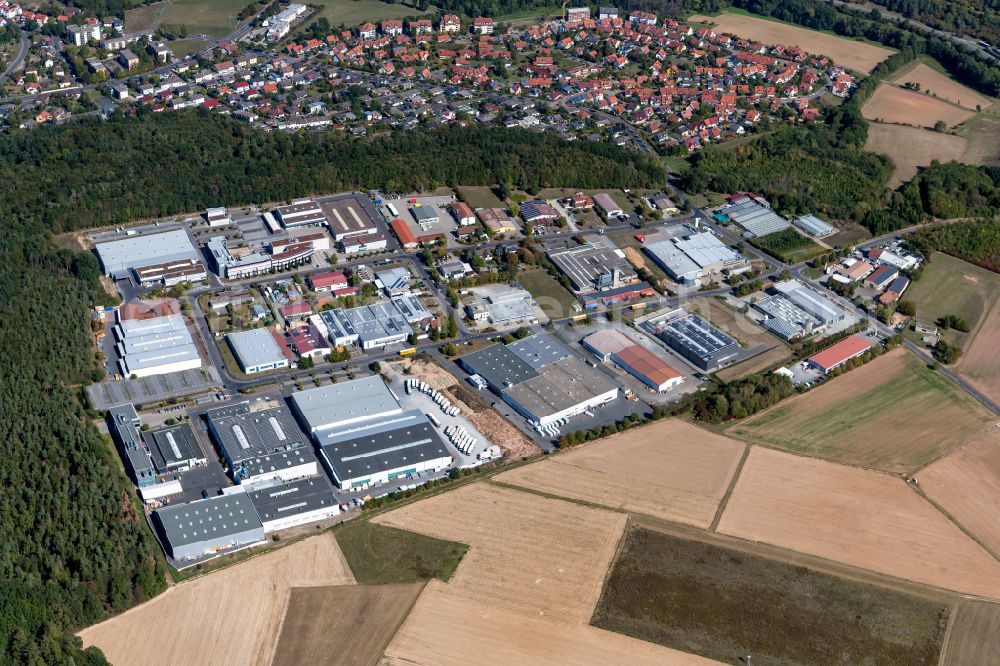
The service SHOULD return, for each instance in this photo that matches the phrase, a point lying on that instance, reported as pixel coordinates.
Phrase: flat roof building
(685, 259)
(498, 366)
(123, 424)
(346, 217)
(300, 213)
(695, 339)
(174, 448)
(591, 267)
(371, 326)
(209, 526)
(614, 345)
(343, 403)
(155, 346)
(257, 350)
(120, 257)
(381, 449)
(507, 307)
(253, 429)
(276, 467)
(539, 350)
(754, 215)
(835, 356)
(294, 503)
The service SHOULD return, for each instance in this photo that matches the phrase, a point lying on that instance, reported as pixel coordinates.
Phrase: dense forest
(72, 546)
(977, 242)
(977, 18)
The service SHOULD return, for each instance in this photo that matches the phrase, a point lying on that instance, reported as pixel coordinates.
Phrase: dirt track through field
(892, 104)
(231, 616)
(966, 484)
(526, 590)
(861, 518)
(671, 470)
(847, 52)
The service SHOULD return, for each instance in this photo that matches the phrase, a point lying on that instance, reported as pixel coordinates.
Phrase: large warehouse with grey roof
(208, 526)
(120, 257)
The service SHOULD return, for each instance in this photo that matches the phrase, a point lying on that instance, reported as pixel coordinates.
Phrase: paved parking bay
(153, 389)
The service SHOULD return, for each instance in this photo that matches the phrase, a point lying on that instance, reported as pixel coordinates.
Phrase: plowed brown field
(231, 616)
(855, 516)
(670, 470)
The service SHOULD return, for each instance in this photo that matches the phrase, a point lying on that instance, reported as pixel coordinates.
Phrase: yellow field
(671, 470)
(859, 56)
(231, 616)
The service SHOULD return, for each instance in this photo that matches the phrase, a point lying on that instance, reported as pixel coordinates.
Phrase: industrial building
(257, 350)
(540, 378)
(616, 346)
(608, 205)
(814, 226)
(120, 257)
(346, 217)
(591, 267)
(155, 346)
(372, 326)
(209, 526)
(218, 217)
(510, 306)
(839, 354)
(496, 220)
(376, 242)
(537, 213)
(124, 424)
(294, 503)
(341, 404)
(174, 448)
(792, 310)
(300, 213)
(687, 259)
(753, 213)
(416, 222)
(276, 467)
(695, 339)
(254, 429)
(170, 273)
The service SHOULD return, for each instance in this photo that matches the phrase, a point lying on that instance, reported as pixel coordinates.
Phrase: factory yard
(857, 55)
(525, 591)
(892, 104)
(778, 612)
(892, 414)
(966, 484)
(857, 517)
(975, 634)
(231, 616)
(353, 622)
(749, 335)
(914, 147)
(942, 86)
(671, 470)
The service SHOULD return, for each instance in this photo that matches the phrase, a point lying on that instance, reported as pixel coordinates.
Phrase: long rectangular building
(614, 345)
(155, 346)
(257, 350)
(209, 526)
(300, 213)
(175, 448)
(695, 339)
(341, 404)
(294, 503)
(120, 257)
(253, 429)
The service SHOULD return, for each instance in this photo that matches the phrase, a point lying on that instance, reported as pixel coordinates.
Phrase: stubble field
(966, 484)
(345, 624)
(858, 517)
(913, 147)
(671, 470)
(980, 363)
(975, 635)
(892, 414)
(942, 86)
(859, 56)
(892, 104)
(231, 616)
(525, 592)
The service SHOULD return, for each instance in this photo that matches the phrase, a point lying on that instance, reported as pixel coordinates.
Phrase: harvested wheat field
(913, 147)
(859, 56)
(939, 84)
(892, 414)
(346, 624)
(980, 363)
(966, 484)
(892, 104)
(975, 635)
(671, 470)
(525, 591)
(854, 516)
(231, 616)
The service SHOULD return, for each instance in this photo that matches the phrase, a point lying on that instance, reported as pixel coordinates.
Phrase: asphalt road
(15, 64)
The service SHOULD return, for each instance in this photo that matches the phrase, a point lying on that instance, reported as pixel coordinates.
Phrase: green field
(554, 300)
(144, 18)
(893, 414)
(352, 12)
(724, 604)
(952, 286)
(789, 246)
(381, 555)
(480, 197)
(215, 19)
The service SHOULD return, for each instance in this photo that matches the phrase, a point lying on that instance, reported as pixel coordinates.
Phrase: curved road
(15, 64)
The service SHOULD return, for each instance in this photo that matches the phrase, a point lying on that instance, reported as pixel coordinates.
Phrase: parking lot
(157, 388)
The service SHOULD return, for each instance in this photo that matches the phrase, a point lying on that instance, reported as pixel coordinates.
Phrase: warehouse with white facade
(120, 257)
(294, 503)
(257, 350)
(155, 346)
(209, 526)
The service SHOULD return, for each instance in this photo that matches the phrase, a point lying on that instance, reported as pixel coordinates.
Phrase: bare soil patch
(966, 484)
(913, 147)
(858, 517)
(980, 363)
(526, 590)
(859, 56)
(892, 104)
(975, 635)
(943, 86)
(346, 624)
(892, 414)
(671, 470)
(229, 617)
